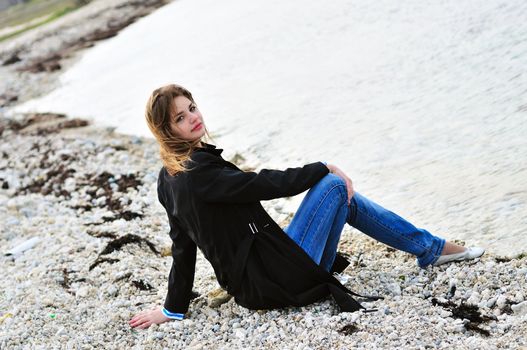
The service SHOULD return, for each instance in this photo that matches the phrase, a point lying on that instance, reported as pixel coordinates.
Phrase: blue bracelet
(172, 315)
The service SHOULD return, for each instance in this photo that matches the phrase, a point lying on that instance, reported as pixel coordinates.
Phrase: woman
(213, 205)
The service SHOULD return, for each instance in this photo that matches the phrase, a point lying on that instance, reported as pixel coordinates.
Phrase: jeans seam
(400, 234)
(313, 214)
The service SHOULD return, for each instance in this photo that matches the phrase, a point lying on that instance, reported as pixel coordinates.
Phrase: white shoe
(468, 254)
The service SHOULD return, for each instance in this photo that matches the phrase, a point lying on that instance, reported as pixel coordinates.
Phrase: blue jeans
(319, 221)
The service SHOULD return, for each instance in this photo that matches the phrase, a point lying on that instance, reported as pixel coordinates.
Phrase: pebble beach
(84, 243)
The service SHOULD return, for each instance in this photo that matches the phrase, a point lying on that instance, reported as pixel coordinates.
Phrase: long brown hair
(174, 151)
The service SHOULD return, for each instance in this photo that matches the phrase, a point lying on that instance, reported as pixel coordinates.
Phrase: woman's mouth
(197, 127)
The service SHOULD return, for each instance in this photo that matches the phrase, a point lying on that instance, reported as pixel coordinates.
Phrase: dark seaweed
(349, 329)
(100, 260)
(118, 243)
(469, 312)
(451, 292)
(143, 285)
(101, 234)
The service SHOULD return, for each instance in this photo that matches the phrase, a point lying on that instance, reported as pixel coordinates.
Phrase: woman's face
(187, 121)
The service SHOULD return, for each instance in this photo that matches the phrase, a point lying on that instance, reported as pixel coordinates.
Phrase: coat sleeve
(181, 277)
(214, 181)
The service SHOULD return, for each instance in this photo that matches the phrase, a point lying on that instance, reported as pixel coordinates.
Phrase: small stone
(474, 298)
(211, 314)
(166, 250)
(61, 332)
(520, 309)
(501, 301)
(82, 292)
(217, 297)
(112, 291)
(159, 335)
(122, 275)
(445, 313)
(240, 333)
(491, 302)
(394, 288)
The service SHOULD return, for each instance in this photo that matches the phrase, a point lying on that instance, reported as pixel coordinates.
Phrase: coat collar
(209, 148)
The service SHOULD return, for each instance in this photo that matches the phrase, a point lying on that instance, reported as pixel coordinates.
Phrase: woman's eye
(178, 119)
(193, 108)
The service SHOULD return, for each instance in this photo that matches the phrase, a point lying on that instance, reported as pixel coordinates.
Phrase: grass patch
(35, 13)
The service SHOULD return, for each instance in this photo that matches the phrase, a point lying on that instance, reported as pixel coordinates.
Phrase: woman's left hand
(349, 184)
(146, 318)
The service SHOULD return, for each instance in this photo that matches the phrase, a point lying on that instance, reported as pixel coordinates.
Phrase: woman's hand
(349, 184)
(146, 318)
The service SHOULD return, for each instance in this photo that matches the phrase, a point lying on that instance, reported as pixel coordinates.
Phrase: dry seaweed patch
(40, 124)
(50, 183)
(103, 183)
(142, 285)
(349, 329)
(465, 311)
(117, 244)
(102, 190)
(101, 234)
(100, 260)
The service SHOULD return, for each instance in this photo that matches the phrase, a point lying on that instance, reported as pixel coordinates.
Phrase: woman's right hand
(146, 318)
(349, 184)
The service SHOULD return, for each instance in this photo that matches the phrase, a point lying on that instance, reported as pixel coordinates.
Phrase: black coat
(215, 206)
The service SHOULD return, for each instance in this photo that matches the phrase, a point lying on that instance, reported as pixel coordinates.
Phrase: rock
(474, 298)
(394, 288)
(520, 309)
(166, 250)
(112, 290)
(217, 297)
(82, 292)
(61, 332)
(501, 301)
(240, 333)
(121, 275)
(445, 313)
(22, 247)
(491, 302)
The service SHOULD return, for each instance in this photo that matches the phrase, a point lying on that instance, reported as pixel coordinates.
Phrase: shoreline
(31, 63)
(89, 195)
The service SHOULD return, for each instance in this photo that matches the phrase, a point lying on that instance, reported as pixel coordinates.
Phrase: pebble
(112, 291)
(491, 302)
(501, 301)
(240, 333)
(61, 332)
(520, 309)
(217, 297)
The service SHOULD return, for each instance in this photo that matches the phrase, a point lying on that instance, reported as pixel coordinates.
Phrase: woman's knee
(333, 183)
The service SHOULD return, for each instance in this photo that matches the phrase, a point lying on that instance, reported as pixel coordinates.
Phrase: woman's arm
(214, 181)
(146, 318)
(180, 281)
